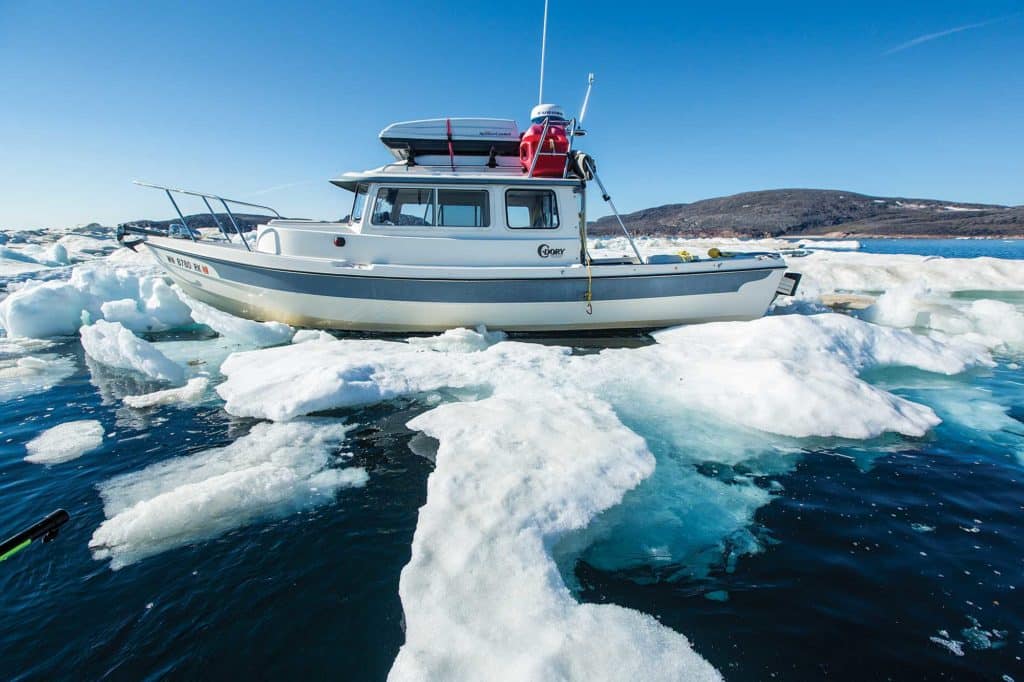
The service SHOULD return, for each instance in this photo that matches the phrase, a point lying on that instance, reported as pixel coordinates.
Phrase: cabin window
(531, 209)
(463, 208)
(358, 204)
(407, 206)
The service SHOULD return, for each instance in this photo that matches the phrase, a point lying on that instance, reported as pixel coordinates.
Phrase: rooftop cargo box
(469, 137)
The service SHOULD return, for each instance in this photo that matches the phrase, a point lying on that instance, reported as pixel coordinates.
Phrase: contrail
(941, 34)
(275, 188)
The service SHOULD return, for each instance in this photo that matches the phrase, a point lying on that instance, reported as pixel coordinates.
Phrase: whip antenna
(586, 98)
(543, 47)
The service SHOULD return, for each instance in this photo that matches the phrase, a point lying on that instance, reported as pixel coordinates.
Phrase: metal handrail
(170, 191)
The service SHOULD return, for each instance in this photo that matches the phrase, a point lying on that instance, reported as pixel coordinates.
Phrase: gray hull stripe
(554, 290)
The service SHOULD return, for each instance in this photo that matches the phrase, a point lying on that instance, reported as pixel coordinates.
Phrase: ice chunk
(111, 344)
(43, 309)
(835, 245)
(259, 334)
(459, 340)
(138, 298)
(991, 323)
(34, 374)
(272, 471)
(307, 335)
(65, 442)
(510, 479)
(189, 393)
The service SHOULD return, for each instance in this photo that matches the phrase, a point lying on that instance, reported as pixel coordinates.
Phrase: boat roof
(473, 175)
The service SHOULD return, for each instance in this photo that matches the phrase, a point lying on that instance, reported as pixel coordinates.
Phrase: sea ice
(136, 296)
(249, 332)
(20, 376)
(992, 323)
(834, 245)
(274, 470)
(509, 480)
(782, 375)
(111, 344)
(308, 335)
(459, 340)
(65, 442)
(189, 393)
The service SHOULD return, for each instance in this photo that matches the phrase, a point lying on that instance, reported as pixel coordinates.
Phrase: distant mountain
(806, 212)
(246, 221)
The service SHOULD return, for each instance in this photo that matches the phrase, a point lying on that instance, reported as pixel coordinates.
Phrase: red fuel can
(552, 152)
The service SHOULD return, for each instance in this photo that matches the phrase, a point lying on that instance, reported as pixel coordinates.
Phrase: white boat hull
(336, 295)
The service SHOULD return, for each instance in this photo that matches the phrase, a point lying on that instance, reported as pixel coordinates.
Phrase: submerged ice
(274, 470)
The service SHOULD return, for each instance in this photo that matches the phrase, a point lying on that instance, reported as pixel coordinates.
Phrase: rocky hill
(808, 212)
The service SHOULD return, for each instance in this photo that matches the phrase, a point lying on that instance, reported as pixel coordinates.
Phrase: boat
(472, 223)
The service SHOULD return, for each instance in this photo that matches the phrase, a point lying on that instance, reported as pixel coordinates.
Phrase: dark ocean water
(867, 551)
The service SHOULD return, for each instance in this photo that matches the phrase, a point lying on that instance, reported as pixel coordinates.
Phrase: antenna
(586, 98)
(543, 46)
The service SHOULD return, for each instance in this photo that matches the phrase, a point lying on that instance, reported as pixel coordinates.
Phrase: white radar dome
(543, 111)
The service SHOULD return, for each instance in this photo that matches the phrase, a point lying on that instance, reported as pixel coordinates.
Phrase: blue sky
(692, 100)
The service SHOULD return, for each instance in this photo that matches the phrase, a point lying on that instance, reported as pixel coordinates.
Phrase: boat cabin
(476, 205)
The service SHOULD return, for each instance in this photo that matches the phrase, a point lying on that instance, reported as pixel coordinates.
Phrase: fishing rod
(46, 530)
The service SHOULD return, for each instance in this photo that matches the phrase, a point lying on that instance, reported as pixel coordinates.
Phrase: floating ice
(783, 375)
(274, 470)
(65, 442)
(20, 375)
(841, 245)
(991, 323)
(701, 394)
(259, 334)
(870, 272)
(953, 646)
(510, 479)
(459, 340)
(135, 296)
(111, 344)
(307, 335)
(189, 393)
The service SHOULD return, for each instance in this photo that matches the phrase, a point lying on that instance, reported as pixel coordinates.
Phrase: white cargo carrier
(485, 137)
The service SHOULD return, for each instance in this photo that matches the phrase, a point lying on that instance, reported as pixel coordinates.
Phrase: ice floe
(24, 369)
(249, 332)
(993, 323)
(782, 375)
(274, 470)
(111, 344)
(136, 296)
(510, 479)
(191, 392)
(834, 245)
(65, 442)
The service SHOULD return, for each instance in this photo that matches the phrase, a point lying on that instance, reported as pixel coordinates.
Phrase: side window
(531, 209)
(403, 207)
(463, 208)
(358, 204)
